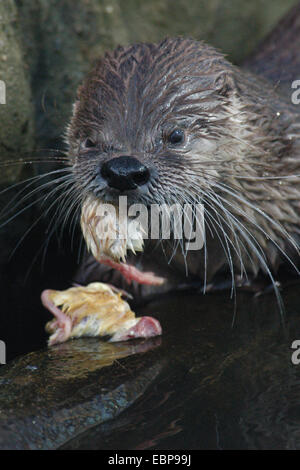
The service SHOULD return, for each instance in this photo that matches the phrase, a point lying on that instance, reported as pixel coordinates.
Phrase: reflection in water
(75, 358)
(222, 387)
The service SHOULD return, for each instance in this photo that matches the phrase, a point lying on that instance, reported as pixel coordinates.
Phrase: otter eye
(176, 136)
(88, 143)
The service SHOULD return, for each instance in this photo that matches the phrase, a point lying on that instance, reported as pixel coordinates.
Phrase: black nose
(125, 173)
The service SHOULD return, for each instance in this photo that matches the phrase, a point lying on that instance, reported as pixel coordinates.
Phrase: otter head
(175, 122)
(148, 119)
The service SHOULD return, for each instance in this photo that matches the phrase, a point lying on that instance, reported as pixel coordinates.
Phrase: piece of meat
(131, 273)
(94, 310)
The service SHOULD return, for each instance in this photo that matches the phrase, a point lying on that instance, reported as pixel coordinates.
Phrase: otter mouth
(97, 309)
(109, 234)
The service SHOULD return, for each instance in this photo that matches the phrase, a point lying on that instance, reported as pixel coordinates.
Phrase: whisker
(30, 194)
(274, 223)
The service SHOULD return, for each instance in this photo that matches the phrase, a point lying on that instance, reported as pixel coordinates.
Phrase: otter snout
(125, 173)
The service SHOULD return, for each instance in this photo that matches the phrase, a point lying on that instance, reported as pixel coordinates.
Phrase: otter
(176, 122)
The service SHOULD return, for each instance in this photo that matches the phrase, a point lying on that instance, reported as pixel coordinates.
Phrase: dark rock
(17, 113)
(50, 396)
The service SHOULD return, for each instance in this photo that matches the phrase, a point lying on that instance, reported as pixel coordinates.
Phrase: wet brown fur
(241, 147)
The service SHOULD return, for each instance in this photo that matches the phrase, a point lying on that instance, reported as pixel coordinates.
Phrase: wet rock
(50, 396)
(16, 107)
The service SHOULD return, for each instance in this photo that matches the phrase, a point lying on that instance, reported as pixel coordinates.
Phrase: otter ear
(225, 84)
